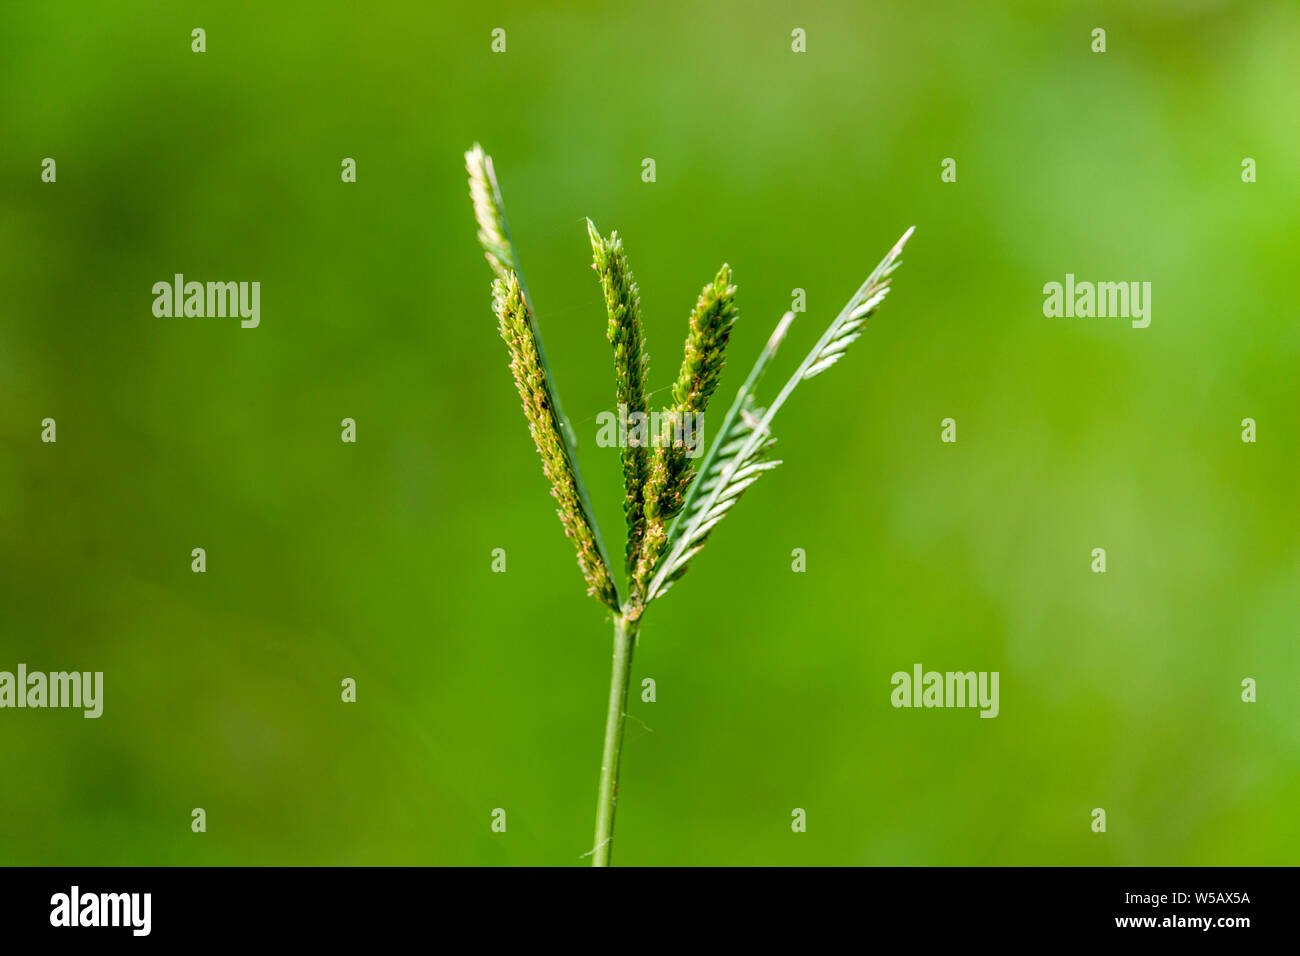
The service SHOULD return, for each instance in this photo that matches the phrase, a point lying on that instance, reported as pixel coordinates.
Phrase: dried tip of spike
(898, 246)
(778, 334)
(479, 164)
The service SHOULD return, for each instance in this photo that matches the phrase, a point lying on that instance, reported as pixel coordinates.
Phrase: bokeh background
(372, 561)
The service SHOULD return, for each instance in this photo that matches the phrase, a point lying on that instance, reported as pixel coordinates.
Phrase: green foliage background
(481, 690)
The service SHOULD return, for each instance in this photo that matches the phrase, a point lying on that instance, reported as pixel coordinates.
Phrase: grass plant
(671, 508)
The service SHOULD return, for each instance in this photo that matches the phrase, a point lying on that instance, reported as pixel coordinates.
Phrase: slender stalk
(607, 799)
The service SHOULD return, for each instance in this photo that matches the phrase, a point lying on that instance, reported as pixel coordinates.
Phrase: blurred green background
(372, 561)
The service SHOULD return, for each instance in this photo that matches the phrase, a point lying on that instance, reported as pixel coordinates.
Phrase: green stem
(624, 643)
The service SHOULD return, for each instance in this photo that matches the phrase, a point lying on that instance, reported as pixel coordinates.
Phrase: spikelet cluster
(740, 456)
(631, 366)
(670, 512)
(707, 335)
(512, 316)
